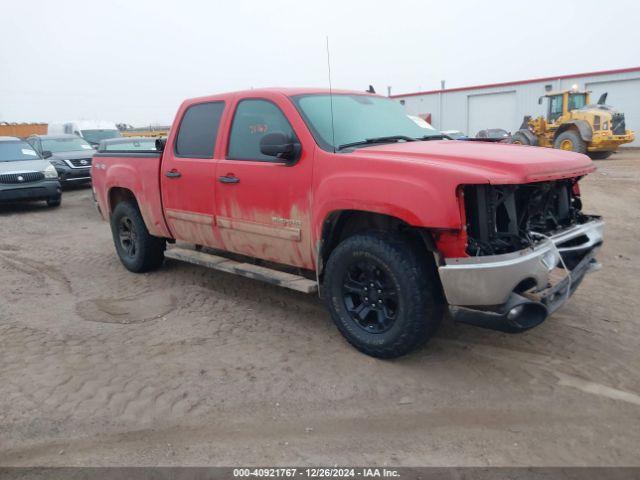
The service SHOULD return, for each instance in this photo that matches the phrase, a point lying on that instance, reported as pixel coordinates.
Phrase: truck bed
(116, 173)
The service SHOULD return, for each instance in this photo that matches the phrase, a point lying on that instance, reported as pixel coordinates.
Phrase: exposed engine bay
(501, 218)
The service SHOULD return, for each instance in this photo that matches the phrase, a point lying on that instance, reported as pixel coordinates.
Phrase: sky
(134, 61)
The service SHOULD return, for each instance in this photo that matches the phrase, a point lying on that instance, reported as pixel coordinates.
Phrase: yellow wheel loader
(574, 124)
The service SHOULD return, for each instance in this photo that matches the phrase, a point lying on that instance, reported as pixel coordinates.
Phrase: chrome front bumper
(490, 280)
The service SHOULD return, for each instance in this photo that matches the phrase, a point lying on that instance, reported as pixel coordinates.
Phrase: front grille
(81, 162)
(20, 178)
(500, 218)
(618, 126)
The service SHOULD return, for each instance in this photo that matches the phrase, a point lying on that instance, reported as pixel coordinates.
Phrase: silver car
(25, 175)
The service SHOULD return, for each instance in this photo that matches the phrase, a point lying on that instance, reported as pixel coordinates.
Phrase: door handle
(173, 174)
(228, 179)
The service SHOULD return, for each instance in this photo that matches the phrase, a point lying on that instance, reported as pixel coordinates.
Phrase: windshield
(133, 145)
(64, 144)
(577, 100)
(356, 118)
(94, 136)
(15, 151)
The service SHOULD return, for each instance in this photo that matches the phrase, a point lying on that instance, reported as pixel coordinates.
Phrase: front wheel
(570, 140)
(138, 250)
(382, 294)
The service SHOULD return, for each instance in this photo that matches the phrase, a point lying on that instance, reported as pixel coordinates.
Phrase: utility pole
(441, 116)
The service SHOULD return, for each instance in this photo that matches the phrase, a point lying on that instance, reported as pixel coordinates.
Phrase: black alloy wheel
(128, 236)
(371, 299)
(138, 250)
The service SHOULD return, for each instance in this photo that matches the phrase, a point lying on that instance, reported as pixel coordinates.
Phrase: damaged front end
(528, 247)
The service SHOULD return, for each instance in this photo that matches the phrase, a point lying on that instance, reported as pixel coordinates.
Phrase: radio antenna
(333, 132)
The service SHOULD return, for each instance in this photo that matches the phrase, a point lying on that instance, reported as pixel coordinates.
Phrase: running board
(275, 277)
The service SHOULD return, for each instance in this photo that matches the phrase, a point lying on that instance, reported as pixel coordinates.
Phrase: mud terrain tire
(138, 250)
(383, 294)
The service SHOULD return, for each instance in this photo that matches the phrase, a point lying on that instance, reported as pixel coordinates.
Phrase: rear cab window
(198, 130)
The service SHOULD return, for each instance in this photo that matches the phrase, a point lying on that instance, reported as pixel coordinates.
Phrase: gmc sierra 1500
(392, 223)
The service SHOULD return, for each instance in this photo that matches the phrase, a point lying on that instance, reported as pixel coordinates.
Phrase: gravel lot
(187, 366)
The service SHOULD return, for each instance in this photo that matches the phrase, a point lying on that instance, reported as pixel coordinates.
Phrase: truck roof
(287, 91)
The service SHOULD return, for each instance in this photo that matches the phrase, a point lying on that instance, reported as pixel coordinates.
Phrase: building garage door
(492, 110)
(624, 95)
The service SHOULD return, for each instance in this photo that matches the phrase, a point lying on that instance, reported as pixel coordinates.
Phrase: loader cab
(577, 100)
(561, 103)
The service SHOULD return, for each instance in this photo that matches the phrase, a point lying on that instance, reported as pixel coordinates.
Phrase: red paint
(451, 243)
(519, 82)
(276, 212)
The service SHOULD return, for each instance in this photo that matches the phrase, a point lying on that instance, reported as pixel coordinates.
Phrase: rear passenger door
(263, 204)
(187, 175)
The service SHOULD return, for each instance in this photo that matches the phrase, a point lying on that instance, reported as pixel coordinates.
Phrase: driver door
(263, 204)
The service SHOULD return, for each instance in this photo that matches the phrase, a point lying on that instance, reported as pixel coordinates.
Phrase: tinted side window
(252, 121)
(198, 130)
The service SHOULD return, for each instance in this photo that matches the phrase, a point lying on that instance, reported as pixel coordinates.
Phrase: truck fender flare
(583, 127)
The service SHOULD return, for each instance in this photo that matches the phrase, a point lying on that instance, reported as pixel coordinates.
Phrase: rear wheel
(570, 141)
(382, 294)
(138, 250)
(520, 138)
(599, 155)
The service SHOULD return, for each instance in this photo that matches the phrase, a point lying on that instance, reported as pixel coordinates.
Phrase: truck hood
(490, 162)
(21, 166)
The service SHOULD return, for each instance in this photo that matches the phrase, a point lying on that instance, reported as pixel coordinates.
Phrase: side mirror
(46, 154)
(160, 144)
(540, 100)
(281, 146)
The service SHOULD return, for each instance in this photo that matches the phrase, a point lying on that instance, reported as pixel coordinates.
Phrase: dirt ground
(186, 366)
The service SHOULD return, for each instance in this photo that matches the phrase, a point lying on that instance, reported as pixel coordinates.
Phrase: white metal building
(504, 105)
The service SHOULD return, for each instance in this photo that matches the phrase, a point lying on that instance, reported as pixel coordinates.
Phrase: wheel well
(565, 128)
(345, 223)
(118, 195)
(582, 128)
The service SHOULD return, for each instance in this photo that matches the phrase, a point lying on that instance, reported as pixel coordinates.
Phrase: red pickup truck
(342, 193)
